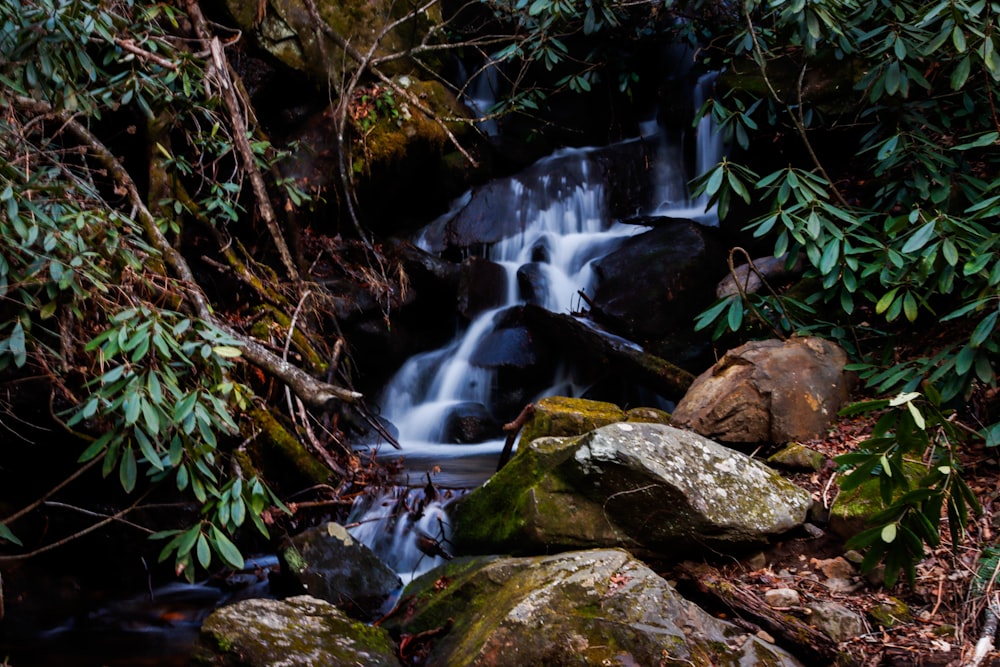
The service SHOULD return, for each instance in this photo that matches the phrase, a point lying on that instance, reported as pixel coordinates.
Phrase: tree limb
(314, 393)
(218, 70)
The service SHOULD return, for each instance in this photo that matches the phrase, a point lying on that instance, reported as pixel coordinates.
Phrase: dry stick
(314, 393)
(512, 430)
(69, 538)
(219, 71)
(743, 295)
(985, 644)
(54, 490)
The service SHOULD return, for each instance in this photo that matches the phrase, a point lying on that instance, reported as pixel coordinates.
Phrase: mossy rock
(280, 456)
(890, 612)
(527, 508)
(851, 511)
(597, 607)
(647, 416)
(560, 416)
(797, 457)
(284, 28)
(296, 631)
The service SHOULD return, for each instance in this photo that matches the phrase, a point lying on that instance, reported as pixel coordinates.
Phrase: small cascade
(671, 195)
(480, 94)
(559, 207)
(407, 528)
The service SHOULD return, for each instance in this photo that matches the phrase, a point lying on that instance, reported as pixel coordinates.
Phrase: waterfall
(558, 223)
(671, 195)
(393, 523)
(564, 226)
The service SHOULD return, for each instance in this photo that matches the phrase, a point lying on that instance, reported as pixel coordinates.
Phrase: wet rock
(645, 486)
(600, 607)
(601, 355)
(482, 286)
(533, 283)
(657, 281)
(510, 346)
(329, 564)
(470, 422)
(301, 631)
(768, 391)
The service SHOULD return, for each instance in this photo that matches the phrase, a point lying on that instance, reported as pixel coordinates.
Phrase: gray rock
(768, 391)
(835, 620)
(600, 607)
(331, 565)
(647, 486)
(297, 632)
(782, 597)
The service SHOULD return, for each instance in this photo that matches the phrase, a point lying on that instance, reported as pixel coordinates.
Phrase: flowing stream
(561, 214)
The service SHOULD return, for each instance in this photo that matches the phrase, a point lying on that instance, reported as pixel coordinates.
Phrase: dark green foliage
(912, 428)
(85, 292)
(898, 226)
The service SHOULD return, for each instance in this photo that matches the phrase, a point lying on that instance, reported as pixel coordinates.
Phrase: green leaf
(226, 549)
(983, 330)
(127, 470)
(919, 238)
(5, 534)
(735, 315)
(888, 533)
(16, 345)
(203, 552)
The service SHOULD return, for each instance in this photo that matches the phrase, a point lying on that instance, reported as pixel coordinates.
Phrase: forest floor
(941, 622)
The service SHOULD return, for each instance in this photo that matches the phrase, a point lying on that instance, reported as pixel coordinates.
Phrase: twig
(512, 429)
(58, 543)
(219, 70)
(79, 471)
(129, 45)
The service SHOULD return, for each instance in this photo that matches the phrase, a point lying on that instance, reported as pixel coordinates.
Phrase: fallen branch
(512, 429)
(804, 640)
(218, 70)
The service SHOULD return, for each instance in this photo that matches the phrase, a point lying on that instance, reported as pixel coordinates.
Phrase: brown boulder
(768, 391)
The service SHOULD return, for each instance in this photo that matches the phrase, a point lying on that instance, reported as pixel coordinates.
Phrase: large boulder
(330, 564)
(768, 391)
(599, 607)
(649, 487)
(299, 632)
(656, 281)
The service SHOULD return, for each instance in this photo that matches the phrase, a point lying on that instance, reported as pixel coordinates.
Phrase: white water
(560, 209)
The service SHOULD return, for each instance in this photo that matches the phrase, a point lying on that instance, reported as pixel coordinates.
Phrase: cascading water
(559, 213)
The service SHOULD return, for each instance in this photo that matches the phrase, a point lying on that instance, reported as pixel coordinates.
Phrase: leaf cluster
(904, 234)
(85, 290)
(913, 434)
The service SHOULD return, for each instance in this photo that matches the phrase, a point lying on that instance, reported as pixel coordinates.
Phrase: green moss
(495, 516)
(560, 416)
(279, 454)
(647, 416)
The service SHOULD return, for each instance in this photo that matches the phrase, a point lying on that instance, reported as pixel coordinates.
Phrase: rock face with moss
(329, 564)
(648, 487)
(297, 631)
(600, 607)
(768, 391)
